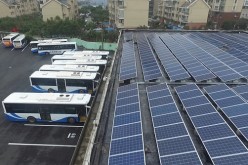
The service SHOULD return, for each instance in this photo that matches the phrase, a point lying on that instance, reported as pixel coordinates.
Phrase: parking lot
(23, 143)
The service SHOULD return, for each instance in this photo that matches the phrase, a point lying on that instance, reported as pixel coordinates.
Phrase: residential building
(14, 8)
(60, 8)
(190, 13)
(244, 12)
(128, 13)
(224, 10)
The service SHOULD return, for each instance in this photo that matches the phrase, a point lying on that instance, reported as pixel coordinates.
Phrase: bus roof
(11, 35)
(51, 98)
(49, 41)
(93, 52)
(64, 75)
(82, 62)
(56, 43)
(83, 56)
(77, 68)
(20, 37)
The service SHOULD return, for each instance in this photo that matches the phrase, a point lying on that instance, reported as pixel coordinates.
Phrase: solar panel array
(221, 143)
(173, 140)
(220, 69)
(195, 68)
(126, 146)
(236, 64)
(242, 91)
(149, 63)
(231, 104)
(128, 68)
(172, 66)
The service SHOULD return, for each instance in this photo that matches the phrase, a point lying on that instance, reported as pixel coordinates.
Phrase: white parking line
(24, 48)
(12, 49)
(39, 125)
(43, 145)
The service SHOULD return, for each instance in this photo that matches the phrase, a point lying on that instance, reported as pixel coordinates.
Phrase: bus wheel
(31, 119)
(81, 91)
(71, 120)
(50, 90)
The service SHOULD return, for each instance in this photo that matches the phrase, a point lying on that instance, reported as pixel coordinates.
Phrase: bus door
(45, 114)
(61, 85)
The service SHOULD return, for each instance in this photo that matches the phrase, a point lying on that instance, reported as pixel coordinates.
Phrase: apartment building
(61, 8)
(128, 13)
(224, 10)
(190, 13)
(14, 8)
(244, 12)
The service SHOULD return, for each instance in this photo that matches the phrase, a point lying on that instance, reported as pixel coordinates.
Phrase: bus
(55, 47)
(81, 57)
(90, 62)
(7, 41)
(34, 44)
(72, 68)
(20, 41)
(64, 81)
(104, 54)
(46, 107)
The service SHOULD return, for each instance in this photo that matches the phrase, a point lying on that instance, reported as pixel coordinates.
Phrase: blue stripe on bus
(34, 51)
(38, 89)
(42, 53)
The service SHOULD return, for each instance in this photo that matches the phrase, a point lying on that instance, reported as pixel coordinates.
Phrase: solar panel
(199, 110)
(127, 109)
(161, 93)
(176, 145)
(127, 118)
(161, 101)
(222, 94)
(127, 87)
(170, 131)
(195, 101)
(229, 101)
(241, 89)
(225, 147)
(125, 145)
(163, 109)
(240, 121)
(190, 94)
(156, 88)
(240, 159)
(181, 159)
(136, 158)
(216, 88)
(126, 130)
(185, 88)
(208, 119)
(166, 119)
(127, 93)
(236, 110)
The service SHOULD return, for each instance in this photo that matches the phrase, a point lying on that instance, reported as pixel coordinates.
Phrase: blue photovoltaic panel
(189, 94)
(244, 131)
(166, 119)
(240, 159)
(195, 101)
(222, 94)
(127, 100)
(199, 110)
(163, 109)
(127, 93)
(240, 121)
(157, 94)
(241, 89)
(185, 88)
(127, 109)
(216, 88)
(174, 146)
(214, 132)
(127, 118)
(135, 158)
(170, 131)
(244, 96)
(229, 101)
(126, 130)
(156, 88)
(236, 110)
(126, 145)
(161, 101)
(207, 119)
(127, 87)
(181, 159)
(225, 147)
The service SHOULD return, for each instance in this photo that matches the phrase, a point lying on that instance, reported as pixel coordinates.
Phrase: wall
(198, 12)
(4, 10)
(52, 9)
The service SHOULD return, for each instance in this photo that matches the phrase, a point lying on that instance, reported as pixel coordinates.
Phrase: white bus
(72, 68)
(88, 62)
(55, 47)
(7, 41)
(104, 54)
(20, 41)
(64, 81)
(81, 57)
(34, 44)
(46, 107)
